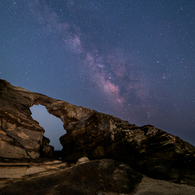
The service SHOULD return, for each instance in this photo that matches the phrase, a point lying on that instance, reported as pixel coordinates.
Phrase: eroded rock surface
(92, 134)
(20, 135)
(94, 177)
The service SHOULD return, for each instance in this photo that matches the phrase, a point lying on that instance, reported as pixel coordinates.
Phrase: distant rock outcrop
(91, 134)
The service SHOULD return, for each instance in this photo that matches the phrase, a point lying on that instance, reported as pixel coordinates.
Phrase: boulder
(82, 160)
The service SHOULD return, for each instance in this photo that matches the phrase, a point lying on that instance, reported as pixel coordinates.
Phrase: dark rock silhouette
(94, 177)
(95, 135)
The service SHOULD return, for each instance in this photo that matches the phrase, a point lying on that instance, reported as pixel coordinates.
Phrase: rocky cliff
(92, 134)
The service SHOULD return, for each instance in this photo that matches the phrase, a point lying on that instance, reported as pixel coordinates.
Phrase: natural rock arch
(20, 135)
(92, 134)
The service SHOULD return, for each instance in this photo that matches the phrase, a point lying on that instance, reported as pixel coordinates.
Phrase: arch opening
(52, 125)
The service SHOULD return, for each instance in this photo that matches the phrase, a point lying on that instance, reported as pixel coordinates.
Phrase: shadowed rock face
(104, 176)
(91, 134)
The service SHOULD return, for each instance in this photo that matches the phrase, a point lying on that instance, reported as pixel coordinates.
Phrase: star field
(131, 59)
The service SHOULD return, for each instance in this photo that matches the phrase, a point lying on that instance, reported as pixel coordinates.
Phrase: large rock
(101, 177)
(91, 134)
(148, 149)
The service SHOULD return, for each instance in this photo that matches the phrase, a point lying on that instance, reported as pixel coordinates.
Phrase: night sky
(134, 59)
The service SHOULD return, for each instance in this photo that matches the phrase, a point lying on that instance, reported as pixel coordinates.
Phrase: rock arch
(90, 133)
(21, 135)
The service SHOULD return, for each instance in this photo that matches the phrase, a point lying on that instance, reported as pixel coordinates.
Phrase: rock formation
(92, 134)
(94, 177)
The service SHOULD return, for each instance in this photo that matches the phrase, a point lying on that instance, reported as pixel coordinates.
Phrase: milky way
(113, 72)
(131, 59)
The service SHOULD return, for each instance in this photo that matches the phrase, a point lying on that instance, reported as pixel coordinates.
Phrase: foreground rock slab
(9, 170)
(99, 177)
(94, 177)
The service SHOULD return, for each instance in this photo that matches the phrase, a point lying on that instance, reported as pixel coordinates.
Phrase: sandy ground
(150, 186)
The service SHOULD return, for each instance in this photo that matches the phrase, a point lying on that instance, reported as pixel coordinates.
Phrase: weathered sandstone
(13, 170)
